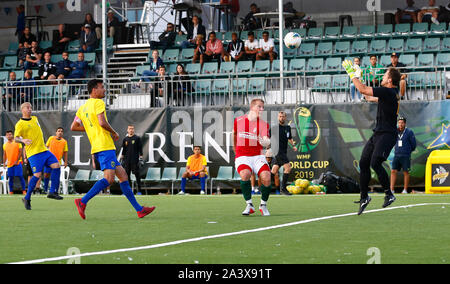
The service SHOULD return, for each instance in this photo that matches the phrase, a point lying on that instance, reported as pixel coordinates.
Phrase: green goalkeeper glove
(352, 71)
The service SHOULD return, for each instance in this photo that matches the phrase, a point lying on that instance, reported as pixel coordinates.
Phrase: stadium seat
(172, 68)
(19, 75)
(244, 67)
(307, 49)
(322, 83)
(395, 45)
(109, 44)
(333, 65)
(256, 86)
(96, 175)
(332, 33)
(170, 56)
(384, 31)
(402, 30)
(367, 31)
(315, 34)
(445, 44)
(239, 86)
(81, 178)
(153, 175)
(419, 30)
(438, 30)
(221, 86)
(73, 46)
(262, 66)
(186, 55)
(349, 32)
(340, 83)
(365, 61)
(10, 62)
(443, 59)
(12, 48)
(243, 35)
(169, 175)
(210, 68)
(413, 45)
(4, 76)
(297, 64)
(276, 65)
(408, 59)
(425, 60)
(202, 87)
(385, 60)
(324, 48)
(227, 67)
(227, 37)
(236, 176)
(89, 57)
(180, 38)
(435, 80)
(342, 48)
(378, 46)
(56, 58)
(315, 65)
(360, 47)
(276, 34)
(225, 173)
(301, 31)
(289, 53)
(45, 44)
(140, 69)
(416, 80)
(432, 44)
(193, 68)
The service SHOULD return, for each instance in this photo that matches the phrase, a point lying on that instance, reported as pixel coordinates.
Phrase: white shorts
(254, 163)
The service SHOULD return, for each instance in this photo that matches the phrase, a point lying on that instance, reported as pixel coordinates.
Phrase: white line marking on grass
(51, 259)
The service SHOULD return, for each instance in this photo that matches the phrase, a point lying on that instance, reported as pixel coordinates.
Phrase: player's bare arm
(77, 125)
(23, 141)
(105, 125)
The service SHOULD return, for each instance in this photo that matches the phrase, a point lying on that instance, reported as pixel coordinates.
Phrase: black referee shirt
(284, 132)
(132, 149)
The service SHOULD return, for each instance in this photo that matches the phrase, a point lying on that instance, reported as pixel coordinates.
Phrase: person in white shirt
(251, 46)
(429, 13)
(266, 48)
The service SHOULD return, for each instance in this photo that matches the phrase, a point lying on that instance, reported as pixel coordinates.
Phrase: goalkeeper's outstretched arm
(363, 89)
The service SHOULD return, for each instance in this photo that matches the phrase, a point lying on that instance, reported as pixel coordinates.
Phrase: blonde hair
(24, 104)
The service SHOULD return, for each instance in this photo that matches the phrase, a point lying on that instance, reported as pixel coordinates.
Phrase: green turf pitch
(405, 235)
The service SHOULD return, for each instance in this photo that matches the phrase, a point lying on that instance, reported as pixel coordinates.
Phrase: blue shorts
(197, 177)
(41, 160)
(401, 162)
(15, 171)
(107, 160)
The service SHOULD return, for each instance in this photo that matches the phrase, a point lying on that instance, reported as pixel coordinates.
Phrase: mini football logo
(441, 175)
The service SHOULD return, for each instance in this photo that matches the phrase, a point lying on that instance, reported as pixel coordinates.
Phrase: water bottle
(218, 190)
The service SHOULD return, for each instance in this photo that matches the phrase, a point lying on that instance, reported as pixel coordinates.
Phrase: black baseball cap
(395, 54)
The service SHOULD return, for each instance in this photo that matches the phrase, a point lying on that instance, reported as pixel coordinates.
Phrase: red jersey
(247, 133)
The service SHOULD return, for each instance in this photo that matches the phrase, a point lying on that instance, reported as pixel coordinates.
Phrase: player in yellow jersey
(58, 146)
(29, 132)
(91, 118)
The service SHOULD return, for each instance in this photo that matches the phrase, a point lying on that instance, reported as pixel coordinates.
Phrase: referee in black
(281, 159)
(384, 135)
(132, 155)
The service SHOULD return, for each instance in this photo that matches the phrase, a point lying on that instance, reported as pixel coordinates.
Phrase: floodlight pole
(281, 48)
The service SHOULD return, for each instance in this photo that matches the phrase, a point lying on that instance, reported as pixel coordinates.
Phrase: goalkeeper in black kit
(132, 156)
(384, 137)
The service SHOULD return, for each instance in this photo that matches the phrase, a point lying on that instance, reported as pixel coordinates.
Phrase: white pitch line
(51, 259)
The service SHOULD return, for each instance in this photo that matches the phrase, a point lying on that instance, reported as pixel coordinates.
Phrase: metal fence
(210, 90)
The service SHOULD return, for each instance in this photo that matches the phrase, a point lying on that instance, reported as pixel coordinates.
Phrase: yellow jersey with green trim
(99, 138)
(30, 129)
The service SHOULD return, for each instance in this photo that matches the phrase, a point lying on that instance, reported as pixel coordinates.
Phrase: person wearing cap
(406, 144)
(402, 68)
(113, 22)
(88, 39)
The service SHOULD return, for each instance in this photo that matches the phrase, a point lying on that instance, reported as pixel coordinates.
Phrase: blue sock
(55, 177)
(31, 185)
(98, 186)
(22, 182)
(126, 189)
(183, 184)
(11, 184)
(46, 182)
(203, 183)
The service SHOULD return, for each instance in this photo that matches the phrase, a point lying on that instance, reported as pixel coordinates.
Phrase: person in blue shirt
(11, 95)
(79, 68)
(155, 63)
(63, 66)
(28, 87)
(406, 144)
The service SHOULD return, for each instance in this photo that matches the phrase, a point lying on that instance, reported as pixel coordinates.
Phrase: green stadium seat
(315, 34)
(89, 57)
(210, 68)
(140, 69)
(435, 80)
(219, 35)
(378, 46)
(349, 32)
(289, 53)
(186, 55)
(172, 68)
(302, 32)
(385, 60)
(342, 48)
(408, 59)
(322, 83)
(365, 61)
(202, 87)
(256, 86)
(443, 59)
(438, 30)
(73, 46)
(262, 66)
(244, 67)
(45, 44)
(109, 44)
(225, 173)
(425, 60)
(333, 65)
(395, 45)
(276, 65)
(227, 37)
(307, 49)
(45, 93)
(239, 86)
(82, 175)
(236, 176)
(419, 30)
(332, 33)
(13, 47)
(367, 31)
(276, 34)
(227, 67)
(384, 31)
(4, 76)
(432, 44)
(19, 75)
(402, 30)
(179, 40)
(10, 62)
(315, 65)
(153, 175)
(169, 175)
(56, 58)
(416, 80)
(171, 55)
(324, 48)
(96, 175)
(297, 65)
(360, 47)
(243, 35)
(221, 86)
(445, 44)
(340, 82)
(413, 45)
(193, 68)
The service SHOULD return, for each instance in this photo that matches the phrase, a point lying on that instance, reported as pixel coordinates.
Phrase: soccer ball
(292, 40)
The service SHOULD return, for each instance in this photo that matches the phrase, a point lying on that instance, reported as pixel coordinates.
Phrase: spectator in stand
(182, 86)
(88, 39)
(22, 54)
(199, 51)
(166, 39)
(20, 21)
(196, 29)
(34, 56)
(28, 87)
(214, 49)
(444, 14)
(250, 21)
(154, 67)
(374, 72)
(354, 93)
(266, 48)
(235, 50)
(251, 47)
(89, 20)
(113, 22)
(429, 13)
(61, 40)
(402, 68)
(162, 83)
(79, 68)
(47, 69)
(409, 13)
(11, 92)
(63, 67)
(27, 38)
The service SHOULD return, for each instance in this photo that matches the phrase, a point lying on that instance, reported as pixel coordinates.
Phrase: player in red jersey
(251, 136)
